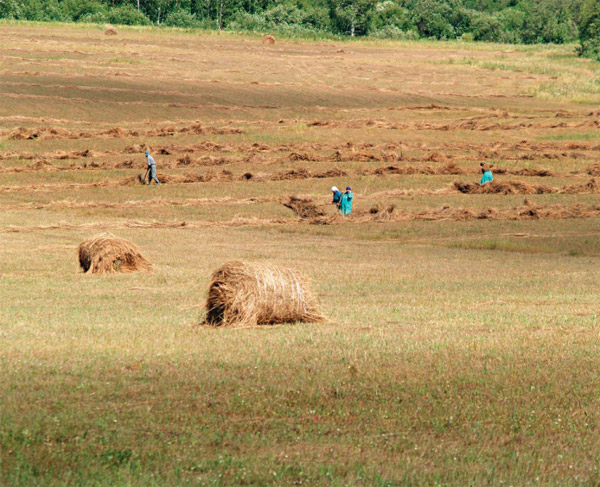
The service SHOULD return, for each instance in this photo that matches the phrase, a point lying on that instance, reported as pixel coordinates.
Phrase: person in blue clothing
(486, 169)
(337, 196)
(151, 169)
(346, 201)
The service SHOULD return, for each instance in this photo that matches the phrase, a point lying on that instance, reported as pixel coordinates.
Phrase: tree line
(510, 21)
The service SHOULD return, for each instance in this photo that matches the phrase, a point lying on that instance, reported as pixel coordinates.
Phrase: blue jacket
(346, 205)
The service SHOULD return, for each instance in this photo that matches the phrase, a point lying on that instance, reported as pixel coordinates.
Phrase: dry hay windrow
(460, 124)
(244, 294)
(107, 254)
(503, 187)
(519, 187)
(154, 202)
(528, 211)
(448, 169)
(445, 213)
(197, 128)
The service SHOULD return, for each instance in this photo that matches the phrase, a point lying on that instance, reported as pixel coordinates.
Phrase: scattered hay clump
(243, 294)
(109, 30)
(304, 207)
(107, 254)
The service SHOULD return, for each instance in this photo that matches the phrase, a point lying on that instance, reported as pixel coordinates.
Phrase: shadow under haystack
(107, 254)
(243, 294)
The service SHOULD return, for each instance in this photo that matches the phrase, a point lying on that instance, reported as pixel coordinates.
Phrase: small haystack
(105, 254)
(304, 207)
(247, 294)
(268, 39)
(109, 30)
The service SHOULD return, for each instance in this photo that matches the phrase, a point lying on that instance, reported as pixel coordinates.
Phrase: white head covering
(334, 189)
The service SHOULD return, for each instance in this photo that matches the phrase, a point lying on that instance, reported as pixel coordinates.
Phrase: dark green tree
(589, 29)
(351, 17)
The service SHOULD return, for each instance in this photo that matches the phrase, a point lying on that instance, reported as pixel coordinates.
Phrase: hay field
(463, 339)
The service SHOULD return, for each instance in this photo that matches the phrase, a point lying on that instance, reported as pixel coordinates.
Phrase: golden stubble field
(462, 346)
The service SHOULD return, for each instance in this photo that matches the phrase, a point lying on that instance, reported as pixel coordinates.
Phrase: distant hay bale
(247, 294)
(105, 254)
(110, 31)
(268, 39)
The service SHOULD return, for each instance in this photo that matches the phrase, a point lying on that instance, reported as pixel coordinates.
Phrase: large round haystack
(268, 39)
(247, 294)
(106, 253)
(110, 31)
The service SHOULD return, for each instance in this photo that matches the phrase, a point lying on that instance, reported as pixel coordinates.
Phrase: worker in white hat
(337, 196)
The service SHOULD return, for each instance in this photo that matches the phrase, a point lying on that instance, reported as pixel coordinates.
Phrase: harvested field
(461, 340)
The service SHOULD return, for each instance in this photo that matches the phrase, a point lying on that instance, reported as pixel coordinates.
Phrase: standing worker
(346, 202)
(486, 169)
(337, 196)
(151, 171)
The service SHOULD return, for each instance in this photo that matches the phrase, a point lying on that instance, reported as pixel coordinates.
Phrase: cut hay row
(391, 153)
(67, 186)
(243, 294)
(107, 254)
(57, 133)
(44, 165)
(528, 211)
(197, 128)
(153, 202)
(455, 125)
(519, 187)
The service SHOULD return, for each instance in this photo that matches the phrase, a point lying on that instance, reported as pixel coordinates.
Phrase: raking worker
(151, 169)
(346, 201)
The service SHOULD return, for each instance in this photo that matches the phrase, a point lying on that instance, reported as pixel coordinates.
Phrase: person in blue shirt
(346, 202)
(486, 169)
(337, 196)
(151, 169)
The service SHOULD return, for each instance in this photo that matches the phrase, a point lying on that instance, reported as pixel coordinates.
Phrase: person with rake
(151, 171)
(346, 201)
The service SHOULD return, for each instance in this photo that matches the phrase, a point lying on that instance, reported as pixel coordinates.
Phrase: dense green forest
(512, 21)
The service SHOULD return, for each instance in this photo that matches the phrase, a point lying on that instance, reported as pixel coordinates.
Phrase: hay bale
(248, 294)
(268, 39)
(105, 254)
(110, 31)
